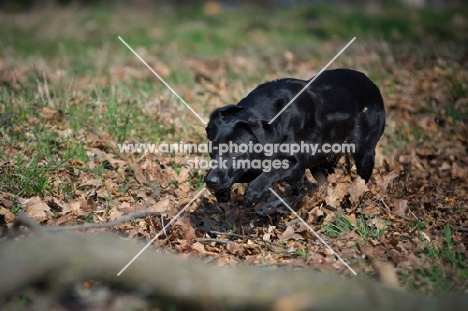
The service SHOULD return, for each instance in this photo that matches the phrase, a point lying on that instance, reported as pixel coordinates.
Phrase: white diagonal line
(162, 80)
(313, 79)
(162, 230)
(312, 230)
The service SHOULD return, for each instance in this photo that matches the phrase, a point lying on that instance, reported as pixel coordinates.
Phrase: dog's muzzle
(212, 182)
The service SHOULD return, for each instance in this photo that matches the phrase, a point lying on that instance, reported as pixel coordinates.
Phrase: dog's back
(333, 89)
(354, 84)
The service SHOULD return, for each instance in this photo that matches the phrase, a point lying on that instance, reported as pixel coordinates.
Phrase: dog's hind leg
(365, 137)
(365, 164)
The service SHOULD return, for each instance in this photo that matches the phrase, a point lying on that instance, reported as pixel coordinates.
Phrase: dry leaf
(394, 255)
(314, 214)
(400, 207)
(287, 234)
(425, 236)
(211, 7)
(352, 218)
(235, 248)
(386, 273)
(51, 114)
(36, 208)
(336, 194)
(183, 223)
(384, 181)
(163, 206)
(114, 214)
(9, 216)
(357, 188)
(7, 203)
(162, 69)
(184, 174)
(379, 223)
(426, 121)
(140, 177)
(198, 247)
(460, 171)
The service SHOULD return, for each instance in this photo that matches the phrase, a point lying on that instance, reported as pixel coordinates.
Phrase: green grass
(25, 177)
(40, 155)
(363, 227)
(117, 108)
(458, 90)
(339, 226)
(448, 272)
(394, 23)
(17, 208)
(29, 176)
(197, 179)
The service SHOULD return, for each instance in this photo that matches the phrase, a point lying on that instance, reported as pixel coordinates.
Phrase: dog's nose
(211, 180)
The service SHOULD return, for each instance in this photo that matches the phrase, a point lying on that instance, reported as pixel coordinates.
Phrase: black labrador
(341, 106)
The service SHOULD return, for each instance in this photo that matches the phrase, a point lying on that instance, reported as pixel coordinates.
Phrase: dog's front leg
(259, 186)
(257, 189)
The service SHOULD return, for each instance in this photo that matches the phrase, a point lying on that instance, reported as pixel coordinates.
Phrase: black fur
(341, 105)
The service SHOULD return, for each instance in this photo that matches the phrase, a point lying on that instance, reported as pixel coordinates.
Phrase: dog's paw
(252, 197)
(223, 196)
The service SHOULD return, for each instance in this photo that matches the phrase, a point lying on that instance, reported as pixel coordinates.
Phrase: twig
(391, 212)
(461, 228)
(245, 237)
(225, 233)
(23, 219)
(209, 240)
(128, 217)
(30, 223)
(156, 189)
(279, 264)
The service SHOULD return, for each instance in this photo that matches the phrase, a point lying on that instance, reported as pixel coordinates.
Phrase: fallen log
(60, 261)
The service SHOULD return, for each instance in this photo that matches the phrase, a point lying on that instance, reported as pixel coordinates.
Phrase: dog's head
(228, 128)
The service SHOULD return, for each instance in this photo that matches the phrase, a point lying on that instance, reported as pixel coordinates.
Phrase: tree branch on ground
(60, 261)
(25, 220)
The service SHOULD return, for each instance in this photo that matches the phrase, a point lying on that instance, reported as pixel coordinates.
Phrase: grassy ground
(69, 89)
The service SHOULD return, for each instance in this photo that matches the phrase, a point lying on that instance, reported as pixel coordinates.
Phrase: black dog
(340, 106)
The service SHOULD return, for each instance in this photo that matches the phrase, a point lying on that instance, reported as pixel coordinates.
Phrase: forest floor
(71, 92)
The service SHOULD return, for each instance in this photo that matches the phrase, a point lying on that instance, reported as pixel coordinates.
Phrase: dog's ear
(223, 111)
(263, 131)
(216, 117)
